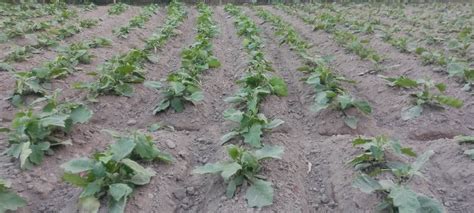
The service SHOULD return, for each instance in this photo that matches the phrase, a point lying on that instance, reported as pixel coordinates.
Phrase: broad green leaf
(10, 201)
(230, 169)
(74, 179)
(233, 115)
(429, 205)
(164, 104)
(259, 194)
(89, 205)
(124, 89)
(78, 165)
(122, 148)
(25, 154)
(80, 114)
(196, 96)
(412, 112)
(152, 84)
(229, 136)
(366, 183)
(363, 106)
(91, 189)
(142, 176)
(117, 206)
(351, 121)
(54, 120)
(405, 199)
(252, 137)
(119, 191)
(269, 152)
(345, 101)
(422, 159)
(177, 104)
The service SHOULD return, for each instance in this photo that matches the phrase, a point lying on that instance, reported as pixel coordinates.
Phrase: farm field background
(136, 104)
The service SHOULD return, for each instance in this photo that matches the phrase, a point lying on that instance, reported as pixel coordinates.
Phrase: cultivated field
(272, 108)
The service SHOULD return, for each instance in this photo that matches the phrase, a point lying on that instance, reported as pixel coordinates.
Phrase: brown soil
(311, 177)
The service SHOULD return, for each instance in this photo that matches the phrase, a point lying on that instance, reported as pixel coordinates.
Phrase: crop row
(373, 161)
(244, 165)
(454, 66)
(34, 130)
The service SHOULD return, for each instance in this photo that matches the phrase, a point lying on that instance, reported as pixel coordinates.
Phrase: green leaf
(231, 187)
(91, 189)
(363, 106)
(274, 123)
(142, 176)
(89, 205)
(253, 135)
(177, 104)
(122, 148)
(429, 205)
(405, 199)
(164, 104)
(124, 89)
(213, 62)
(10, 201)
(196, 97)
(152, 84)
(412, 112)
(54, 120)
(117, 206)
(351, 121)
(366, 184)
(119, 191)
(229, 136)
(464, 139)
(279, 86)
(80, 114)
(230, 169)
(233, 115)
(75, 179)
(259, 194)
(269, 152)
(449, 101)
(24, 154)
(422, 159)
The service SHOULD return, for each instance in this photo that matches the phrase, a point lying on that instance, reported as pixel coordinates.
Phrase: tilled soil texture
(313, 174)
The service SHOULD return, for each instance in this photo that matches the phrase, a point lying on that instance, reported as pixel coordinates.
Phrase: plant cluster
(183, 85)
(395, 192)
(114, 173)
(429, 94)
(244, 165)
(137, 21)
(35, 132)
(116, 75)
(175, 16)
(327, 85)
(330, 22)
(117, 9)
(37, 80)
